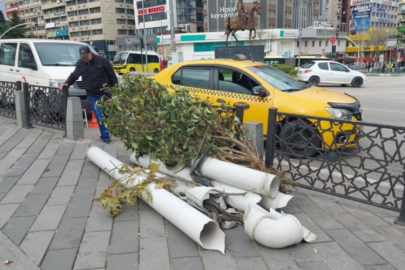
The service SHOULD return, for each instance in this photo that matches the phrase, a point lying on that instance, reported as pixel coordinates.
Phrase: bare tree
(378, 38)
(267, 37)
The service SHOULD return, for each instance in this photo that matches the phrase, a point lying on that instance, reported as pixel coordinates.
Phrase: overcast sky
(3, 7)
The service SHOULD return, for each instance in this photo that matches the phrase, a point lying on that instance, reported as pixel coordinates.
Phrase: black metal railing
(359, 161)
(46, 106)
(7, 99)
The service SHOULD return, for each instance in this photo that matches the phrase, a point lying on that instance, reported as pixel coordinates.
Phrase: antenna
(251, 58)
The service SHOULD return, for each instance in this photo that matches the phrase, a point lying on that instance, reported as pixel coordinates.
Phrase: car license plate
(299, 72)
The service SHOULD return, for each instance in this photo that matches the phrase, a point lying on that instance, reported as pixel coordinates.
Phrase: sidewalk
(50, 220)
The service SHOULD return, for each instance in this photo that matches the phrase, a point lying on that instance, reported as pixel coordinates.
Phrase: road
(382, 99)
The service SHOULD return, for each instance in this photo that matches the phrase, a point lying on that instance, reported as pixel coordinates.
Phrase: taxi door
(233, 86)
(198, 79)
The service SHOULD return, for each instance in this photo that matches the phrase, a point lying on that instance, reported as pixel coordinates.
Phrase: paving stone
(127, 261)
(124, 237)
(151, 224)
(65, 149)
(187, 263)
(99, 219)
(277, 258)
(3, 154)
(250, 263)
(391, 253)
(2, 195)
(7, 210)
(93, 250)
(32, 175)
(355, 248)
(17, 194)
(56, 166)
(11, 143)
(17, 228)
(104, 180)
(9, 251)
(35, 245)
(154, 253)
(113, 151)
(8, 133)
(32, 205)
(328, 205)
(291, 208)
(54, 258)
(393, 235)
(366, 216)
(45, 186)
(86, 186)
(50, 149)
(8, 161)
(302, 252)
(180, 244)
(90, 170)
(7, 183)
(239, 243)
(380, 267)
(128, 212)
(335, 257)
(71, 174)
(79, 206)
(61, 195)
(321, 236)
(358, 228)
(39, 144)
(79, 151)
(49, 218)
(22, 165)
(391, 221)
(69, 234)
(214, 260)
(300, 198)
(313, 264)
(320, 217)
(29, 139)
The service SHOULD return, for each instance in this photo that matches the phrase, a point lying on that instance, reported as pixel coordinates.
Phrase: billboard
(359, 22)
(360, 9)
(324, 25)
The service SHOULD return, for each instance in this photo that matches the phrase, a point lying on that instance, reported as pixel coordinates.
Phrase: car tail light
(308, 71)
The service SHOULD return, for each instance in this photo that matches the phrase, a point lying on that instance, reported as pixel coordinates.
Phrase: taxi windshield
(276, 78)
(120, 58)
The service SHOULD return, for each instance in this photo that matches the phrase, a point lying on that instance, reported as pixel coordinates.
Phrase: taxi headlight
(340, 113)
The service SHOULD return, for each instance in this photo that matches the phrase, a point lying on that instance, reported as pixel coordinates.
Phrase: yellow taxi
(259, 87)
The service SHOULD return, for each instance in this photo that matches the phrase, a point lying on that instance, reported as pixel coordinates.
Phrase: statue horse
(235, 23)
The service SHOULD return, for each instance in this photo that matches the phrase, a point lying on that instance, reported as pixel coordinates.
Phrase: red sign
(332, 39)
(10, 10)
(150, 10)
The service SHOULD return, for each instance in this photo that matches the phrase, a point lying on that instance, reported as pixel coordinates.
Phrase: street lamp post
(161, 31)
(358, 48)
(174, 52)
(299, 33)
(144, 39)
(21, 24)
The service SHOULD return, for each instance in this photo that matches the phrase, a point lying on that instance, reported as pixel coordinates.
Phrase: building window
(73, 24)
(93, 1)
(306, 43)
(85, 33)
(95, 10)
(81, 2)
(122, 32)
(130, 11)
(121, 21)
(313, 43)
(83, 11)
(150, 3)
(119, 1)
(71, 3)
(97, 32)
(131, 22)
(72, 13)
(74, 34)
(338, 42)
(326, 43)
(129, 1)
(320, 43)
(131, 32)
(84, 22)
(120, 10)
(152, 17)
(96, 21)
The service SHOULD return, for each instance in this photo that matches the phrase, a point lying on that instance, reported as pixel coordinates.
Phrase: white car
(329, 72)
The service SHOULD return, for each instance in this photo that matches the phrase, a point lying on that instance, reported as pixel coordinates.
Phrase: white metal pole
(300, 32)
(21, 24)
(144, 38)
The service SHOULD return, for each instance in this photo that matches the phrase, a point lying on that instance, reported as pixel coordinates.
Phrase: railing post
(20, 106)
(254, 134)
(27, 103)
(65, 93)
(400, 220)
(74, 119)
(270, 140)
(240, 108)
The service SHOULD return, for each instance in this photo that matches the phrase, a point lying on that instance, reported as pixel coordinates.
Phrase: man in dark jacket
(95, 71)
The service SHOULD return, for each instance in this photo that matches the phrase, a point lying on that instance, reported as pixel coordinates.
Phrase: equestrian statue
(244, 20)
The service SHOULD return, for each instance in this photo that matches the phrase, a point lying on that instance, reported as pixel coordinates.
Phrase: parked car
(329, 72)
(259, 87)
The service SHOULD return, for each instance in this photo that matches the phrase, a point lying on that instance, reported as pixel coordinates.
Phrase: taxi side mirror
(260, 91)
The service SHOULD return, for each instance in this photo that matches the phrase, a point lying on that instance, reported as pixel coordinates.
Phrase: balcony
(47, 5)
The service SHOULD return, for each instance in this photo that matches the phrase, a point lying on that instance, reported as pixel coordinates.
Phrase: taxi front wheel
(299, 139)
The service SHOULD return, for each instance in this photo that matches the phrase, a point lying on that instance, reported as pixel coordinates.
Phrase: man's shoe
(105, 140)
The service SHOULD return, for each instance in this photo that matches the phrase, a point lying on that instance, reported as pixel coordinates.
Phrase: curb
(383, 75)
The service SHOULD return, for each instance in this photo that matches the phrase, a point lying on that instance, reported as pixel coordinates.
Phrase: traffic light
(142, 44)
(333, 50)
(337, 33)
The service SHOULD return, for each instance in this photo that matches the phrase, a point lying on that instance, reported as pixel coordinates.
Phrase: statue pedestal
(251, 52)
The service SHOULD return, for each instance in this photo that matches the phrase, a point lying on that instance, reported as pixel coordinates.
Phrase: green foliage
(18, 32)
(167, 125)
(116, 194)
(283, 68)
(293, 72)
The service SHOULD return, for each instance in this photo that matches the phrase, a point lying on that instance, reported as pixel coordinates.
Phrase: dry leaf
(7, 261)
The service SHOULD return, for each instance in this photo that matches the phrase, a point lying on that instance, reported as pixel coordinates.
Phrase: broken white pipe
(239, 202)
(225, 172)
(203, 230)
(280, 201)
(272, 229)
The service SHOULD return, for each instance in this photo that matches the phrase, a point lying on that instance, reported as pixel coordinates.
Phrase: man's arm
(112, 77)
(72, 77)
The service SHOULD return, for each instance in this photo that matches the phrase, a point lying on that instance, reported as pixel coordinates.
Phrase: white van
(41, 62)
